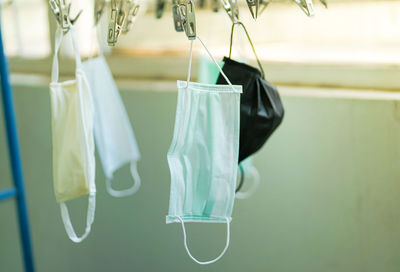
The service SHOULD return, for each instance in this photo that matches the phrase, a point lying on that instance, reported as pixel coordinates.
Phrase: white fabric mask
(204, 153)
(73, 144)
(113, 132)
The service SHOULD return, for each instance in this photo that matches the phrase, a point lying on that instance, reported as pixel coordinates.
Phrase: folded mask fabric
(72, 137)
(115, 140)
(261, 109)
(203, 154)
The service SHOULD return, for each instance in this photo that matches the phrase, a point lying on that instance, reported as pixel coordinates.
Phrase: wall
(328, 199)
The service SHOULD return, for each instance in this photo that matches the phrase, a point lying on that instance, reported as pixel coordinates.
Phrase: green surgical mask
(204, 153)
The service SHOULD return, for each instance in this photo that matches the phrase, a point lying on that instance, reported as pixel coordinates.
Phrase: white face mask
(204, 153)
(113, 132)
(73, 144)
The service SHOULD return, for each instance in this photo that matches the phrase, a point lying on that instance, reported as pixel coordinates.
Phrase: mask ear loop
(242, 177)
(89, 219)
(214, 260)
(123, 193)
(215, 62)
(251, 43)
(252, 190)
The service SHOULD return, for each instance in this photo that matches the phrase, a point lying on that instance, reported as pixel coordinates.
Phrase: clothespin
(6, 3)
(253, 7)
(232, 9)
(307, 6)
(215, 5)
(263, 5)
(188, 19)
(202, 3)
(99, 6)
(160, 7)
(176, 16)
(132, 10)
(324, 3)
(61, 11)
(117, 20)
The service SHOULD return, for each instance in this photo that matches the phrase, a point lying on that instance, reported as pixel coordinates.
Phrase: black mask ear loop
(240, 185)
(251, 43)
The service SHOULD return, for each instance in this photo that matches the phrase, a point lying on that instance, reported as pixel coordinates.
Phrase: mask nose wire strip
(222, 253)
(123, 193)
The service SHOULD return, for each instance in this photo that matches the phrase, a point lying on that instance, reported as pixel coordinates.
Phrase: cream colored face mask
(72, 133)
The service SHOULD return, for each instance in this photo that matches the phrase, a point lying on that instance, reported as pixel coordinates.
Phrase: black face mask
(261, 109)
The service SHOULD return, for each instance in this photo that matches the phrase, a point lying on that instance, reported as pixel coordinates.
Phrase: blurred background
(330, 179)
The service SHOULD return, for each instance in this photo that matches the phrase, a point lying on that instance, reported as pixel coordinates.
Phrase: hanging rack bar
(8, 193)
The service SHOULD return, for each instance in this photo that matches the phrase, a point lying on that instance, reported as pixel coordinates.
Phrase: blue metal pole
(15, 160)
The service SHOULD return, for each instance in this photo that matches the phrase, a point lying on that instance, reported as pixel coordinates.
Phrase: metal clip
(61, 11)
(99, 6)
(306, 6)
(324, 3)
(215, 4)
(232, 9)
(133, 9)
(117, 20)
(177, 18)
(6, 3)
(253, 7)
(188, 19)
(263, 6)
(160, 7)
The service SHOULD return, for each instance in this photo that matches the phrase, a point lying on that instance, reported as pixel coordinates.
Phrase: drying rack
(18, 191)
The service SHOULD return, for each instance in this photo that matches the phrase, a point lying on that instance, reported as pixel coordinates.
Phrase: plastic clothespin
(232, 9)
(132, 10)
(117, 20)
(253, 7)
(99, 6)
(160, 7)
(61, 11)
(188, 19)
(307, 6)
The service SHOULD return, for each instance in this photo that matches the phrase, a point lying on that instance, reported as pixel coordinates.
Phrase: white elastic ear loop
(210, 55)
(89, 219)
(123, 193)
(190, 63)
(256, 182)
(57, 44)
(216, 63)
(214, 260)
